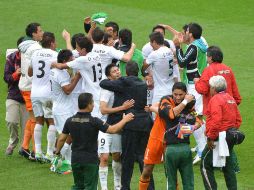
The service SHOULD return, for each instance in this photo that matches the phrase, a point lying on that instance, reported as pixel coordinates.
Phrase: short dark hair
(216, 54)
(97, 35)
(132, 68)
(20, 40)
(126, 36)
(158, 27)
(108, 68)
(166, 43)
(32, 28)
(196, 30)
(180, 86)
(47, 39)
(185, 27)
(74, 38)
(84, 100)
(106, 38)
(157, 37)
(64, 56)
(114, 25)
(84, 42)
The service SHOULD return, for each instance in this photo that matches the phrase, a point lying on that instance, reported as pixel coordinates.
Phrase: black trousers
(133, 149)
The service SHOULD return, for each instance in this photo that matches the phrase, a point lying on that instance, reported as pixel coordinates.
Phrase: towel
(220, 151)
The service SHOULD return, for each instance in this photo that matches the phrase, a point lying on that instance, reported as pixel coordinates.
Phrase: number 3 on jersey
(97, 69)
(42, 66)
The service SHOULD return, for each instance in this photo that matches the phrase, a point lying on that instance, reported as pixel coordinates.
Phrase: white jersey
(90, 69)
(41, 62)
(62, 103)
(161, 61)
(147, 48)
(108, 97)
(78, 88)
(27, 48)
(107, 54)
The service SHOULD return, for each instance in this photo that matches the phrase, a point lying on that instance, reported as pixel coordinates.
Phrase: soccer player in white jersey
(110, 143)
(147, 49)
(163, 69)
(108, 53)
(29, 44)
(62, 87)
(41, 94)
(71, 45)
(89, 65)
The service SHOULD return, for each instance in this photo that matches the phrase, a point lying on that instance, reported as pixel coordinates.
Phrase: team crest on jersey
(231, 101)
(223, 72)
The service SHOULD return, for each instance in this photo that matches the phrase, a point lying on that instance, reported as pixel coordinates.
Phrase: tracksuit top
(222, 114)
(202, 86)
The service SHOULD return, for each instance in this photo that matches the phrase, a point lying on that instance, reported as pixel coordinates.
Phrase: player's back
(147, 48)
(107, 54)
(90, 69)
(162, 65)
(41, 63)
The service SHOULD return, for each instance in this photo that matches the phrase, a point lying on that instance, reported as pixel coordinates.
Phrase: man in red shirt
(216, 67)
(222, 114)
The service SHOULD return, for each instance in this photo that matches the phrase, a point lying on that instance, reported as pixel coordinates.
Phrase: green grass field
(228, 24)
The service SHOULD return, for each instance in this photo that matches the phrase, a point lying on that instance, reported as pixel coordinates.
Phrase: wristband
(184, 102)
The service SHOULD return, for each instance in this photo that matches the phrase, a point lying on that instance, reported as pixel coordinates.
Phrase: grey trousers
(16, 116)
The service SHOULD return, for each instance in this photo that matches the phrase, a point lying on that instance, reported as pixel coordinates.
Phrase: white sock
(64, 149)
(51, 137)
(117, 171)
(68, 154)
(103, 174)
(37, 138)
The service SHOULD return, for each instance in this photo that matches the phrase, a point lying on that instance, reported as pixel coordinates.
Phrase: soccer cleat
(24, 152)
(32, 157)
(196, 160)
(39, 157)
(48, 158)
(9, 150)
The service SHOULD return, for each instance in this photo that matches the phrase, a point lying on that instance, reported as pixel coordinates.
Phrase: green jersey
(138, 58)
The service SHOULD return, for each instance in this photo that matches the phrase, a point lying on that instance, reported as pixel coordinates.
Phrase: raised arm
(128, 55)
(67, 37)
(170, 29)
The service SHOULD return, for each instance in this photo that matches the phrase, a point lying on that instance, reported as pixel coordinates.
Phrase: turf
(227, 23)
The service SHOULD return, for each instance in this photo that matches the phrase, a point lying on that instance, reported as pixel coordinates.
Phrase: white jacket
(27, 49)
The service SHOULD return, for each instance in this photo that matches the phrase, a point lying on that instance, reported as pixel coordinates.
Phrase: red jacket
(222, 114)
(202, 86)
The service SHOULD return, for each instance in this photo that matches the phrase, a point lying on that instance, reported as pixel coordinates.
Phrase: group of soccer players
(51, 81)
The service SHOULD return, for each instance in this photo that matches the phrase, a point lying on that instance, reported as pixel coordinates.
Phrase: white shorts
(60, 121)
(109, 143)
(42, 107)
(199, 98)
(96, 110)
